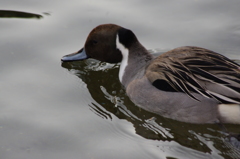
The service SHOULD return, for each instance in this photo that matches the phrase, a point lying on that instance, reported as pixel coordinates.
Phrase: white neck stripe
(124, 61)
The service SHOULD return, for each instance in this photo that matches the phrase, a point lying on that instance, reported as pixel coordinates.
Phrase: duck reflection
(103, 84)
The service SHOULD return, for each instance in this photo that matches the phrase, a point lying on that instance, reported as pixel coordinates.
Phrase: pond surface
(55, 110)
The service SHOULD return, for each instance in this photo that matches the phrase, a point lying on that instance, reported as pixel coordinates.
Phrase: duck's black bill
(80, 55)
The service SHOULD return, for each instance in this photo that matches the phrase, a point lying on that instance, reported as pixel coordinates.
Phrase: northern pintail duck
(188, 84)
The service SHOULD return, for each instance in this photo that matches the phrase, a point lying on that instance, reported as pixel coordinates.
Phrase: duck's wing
(196, 70)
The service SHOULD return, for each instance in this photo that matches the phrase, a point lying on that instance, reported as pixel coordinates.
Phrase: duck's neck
(133, 64)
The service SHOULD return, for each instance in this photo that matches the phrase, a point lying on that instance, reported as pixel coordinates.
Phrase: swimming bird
(188, 84)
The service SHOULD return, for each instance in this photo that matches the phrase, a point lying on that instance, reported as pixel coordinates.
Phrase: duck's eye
(94, 42)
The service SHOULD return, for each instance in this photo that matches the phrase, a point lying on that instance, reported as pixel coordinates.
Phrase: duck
(188, 84)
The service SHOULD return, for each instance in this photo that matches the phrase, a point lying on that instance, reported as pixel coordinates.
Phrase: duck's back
(196, 70)
(190, 84)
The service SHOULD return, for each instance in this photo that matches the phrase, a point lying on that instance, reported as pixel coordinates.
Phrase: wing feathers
(196, 70)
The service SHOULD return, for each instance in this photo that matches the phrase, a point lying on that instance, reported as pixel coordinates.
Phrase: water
(50, 109)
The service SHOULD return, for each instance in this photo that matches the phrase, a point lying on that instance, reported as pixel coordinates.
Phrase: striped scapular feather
(196, 70)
